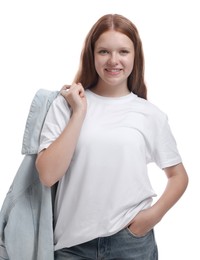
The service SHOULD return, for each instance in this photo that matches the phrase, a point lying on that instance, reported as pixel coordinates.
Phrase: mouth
(113, 71)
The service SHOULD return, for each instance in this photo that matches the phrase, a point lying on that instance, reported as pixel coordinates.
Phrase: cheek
(130, 65)
(98, 65)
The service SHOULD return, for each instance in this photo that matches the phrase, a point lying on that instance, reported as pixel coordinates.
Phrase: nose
(113, 59)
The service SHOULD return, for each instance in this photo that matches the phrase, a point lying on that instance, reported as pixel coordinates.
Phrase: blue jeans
(120, 246)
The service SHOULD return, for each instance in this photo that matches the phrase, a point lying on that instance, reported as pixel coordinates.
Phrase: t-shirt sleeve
(166, 153)
(55, 122)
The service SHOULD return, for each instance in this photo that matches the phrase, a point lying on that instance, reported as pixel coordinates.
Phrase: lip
(113, 71)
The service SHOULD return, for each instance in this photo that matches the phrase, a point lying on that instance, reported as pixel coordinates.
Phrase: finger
(63, 92)
(65, 87)
(82, 92)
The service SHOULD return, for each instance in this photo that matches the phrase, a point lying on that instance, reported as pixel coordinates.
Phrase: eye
(124, 52)
(103, 52)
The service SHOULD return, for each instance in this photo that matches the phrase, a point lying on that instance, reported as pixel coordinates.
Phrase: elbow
(186, 180)
(185, 177)
(45, 181)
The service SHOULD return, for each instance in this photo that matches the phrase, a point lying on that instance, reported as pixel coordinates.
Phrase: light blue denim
(26, 229)
(122, 246)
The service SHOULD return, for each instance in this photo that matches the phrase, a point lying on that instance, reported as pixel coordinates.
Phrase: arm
(53, 162)
(176, 186)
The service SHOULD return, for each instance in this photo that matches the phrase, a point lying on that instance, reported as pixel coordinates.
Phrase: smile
(113, 70)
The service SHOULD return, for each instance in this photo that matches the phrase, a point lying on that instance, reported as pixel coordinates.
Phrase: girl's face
(114, 61)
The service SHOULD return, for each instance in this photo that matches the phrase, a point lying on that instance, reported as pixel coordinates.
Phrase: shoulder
(150, 110)
(150, 107)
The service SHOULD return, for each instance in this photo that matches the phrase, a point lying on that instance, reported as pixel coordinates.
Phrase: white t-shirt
(107, 182)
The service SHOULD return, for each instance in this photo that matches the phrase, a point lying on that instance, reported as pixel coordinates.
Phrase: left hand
(143, 222)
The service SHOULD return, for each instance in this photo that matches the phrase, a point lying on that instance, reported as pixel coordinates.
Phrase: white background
(40, 45)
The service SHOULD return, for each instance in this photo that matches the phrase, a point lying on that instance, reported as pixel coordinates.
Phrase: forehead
(113, 38)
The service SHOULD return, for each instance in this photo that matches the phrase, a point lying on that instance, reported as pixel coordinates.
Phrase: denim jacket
(26, 218)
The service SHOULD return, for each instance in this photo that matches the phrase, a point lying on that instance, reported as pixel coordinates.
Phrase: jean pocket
(134, 235)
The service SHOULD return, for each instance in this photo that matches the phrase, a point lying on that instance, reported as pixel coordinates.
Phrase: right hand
(75, 97)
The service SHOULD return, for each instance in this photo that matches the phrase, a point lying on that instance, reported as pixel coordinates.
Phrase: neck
(110, 91)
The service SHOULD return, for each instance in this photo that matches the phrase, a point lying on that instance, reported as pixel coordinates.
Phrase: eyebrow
(124, 47)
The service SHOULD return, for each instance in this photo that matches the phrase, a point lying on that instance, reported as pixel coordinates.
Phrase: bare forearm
(146, 219)
(53, 162)
(176, 186)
